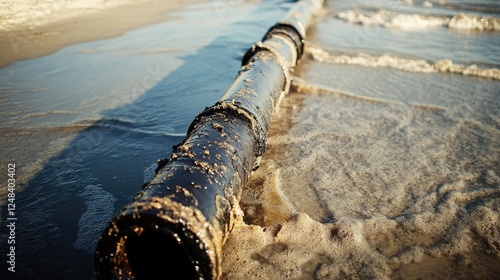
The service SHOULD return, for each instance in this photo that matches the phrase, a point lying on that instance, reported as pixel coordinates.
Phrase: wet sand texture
(360, 187)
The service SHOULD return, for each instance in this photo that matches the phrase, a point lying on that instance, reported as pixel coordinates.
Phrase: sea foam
(100, 208)
(350, 189)
(404, 64)
(419, 21)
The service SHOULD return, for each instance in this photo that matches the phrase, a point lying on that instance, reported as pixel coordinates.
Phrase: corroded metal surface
(187, 210)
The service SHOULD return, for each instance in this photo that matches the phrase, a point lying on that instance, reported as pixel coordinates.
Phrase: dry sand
(35, 28)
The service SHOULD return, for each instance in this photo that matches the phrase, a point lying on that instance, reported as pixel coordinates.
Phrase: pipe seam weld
(290, 32)
(261, 46)
(234, 109)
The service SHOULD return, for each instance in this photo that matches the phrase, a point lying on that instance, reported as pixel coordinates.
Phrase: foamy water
(416, 21)
(99, 203)
(404, 64)
(391, 190)
(379, 165)
(382, 162)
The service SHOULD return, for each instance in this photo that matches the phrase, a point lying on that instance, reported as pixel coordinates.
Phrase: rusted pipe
(176, 226)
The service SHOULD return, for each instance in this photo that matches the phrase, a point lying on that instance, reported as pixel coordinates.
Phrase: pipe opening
(156, 255)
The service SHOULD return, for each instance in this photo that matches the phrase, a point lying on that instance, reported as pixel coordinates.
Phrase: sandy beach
(382, 162)
(37, 28)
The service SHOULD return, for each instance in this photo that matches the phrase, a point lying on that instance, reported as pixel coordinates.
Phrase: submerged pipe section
(176, 226)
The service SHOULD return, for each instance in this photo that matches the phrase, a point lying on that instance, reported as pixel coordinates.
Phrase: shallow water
(372, 170)
(85, 124)
(377, 167)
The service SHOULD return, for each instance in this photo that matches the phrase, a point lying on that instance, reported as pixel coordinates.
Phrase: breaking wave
(405, 64)
(417, 21)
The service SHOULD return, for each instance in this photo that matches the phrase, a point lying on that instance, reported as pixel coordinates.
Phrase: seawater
(374, 167)
(85, 125)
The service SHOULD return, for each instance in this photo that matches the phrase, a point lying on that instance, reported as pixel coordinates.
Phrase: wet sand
(358, 185)
(66, 25)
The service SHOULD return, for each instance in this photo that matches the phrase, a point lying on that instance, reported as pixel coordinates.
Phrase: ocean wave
(471, 5)
(45, 114)
(404, 64)
(299, 85)
(10, 92)
(121, 124)
(109, 124)
(469, 22)
(129, 126)
(418, 21)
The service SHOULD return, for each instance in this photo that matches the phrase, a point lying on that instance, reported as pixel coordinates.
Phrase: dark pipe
(177, 224)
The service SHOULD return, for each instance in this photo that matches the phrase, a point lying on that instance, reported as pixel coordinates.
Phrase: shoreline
(42, 36)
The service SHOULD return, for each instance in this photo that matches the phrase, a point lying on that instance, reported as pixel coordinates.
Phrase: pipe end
(151, 248)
